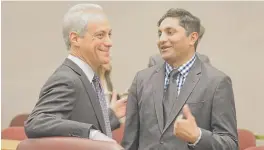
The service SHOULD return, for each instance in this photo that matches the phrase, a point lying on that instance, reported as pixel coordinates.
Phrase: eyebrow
(168, 28)
(103, 31)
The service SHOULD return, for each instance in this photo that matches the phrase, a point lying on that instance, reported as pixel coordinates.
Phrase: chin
(105, 61)
(165, 56)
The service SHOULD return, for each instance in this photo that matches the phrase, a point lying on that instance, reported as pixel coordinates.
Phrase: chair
(255, 148)
(246, 139)
(66, 143)
(118, 133)
(14, 133)
(19, 120)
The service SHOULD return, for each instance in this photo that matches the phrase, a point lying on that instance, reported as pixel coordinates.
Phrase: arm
(223, 135)
(131, 132)
(114, 120)
(56, 102)
(117, 110)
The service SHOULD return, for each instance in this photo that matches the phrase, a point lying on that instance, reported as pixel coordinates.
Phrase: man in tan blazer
(183, 103)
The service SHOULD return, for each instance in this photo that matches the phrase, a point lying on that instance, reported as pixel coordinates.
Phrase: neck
(102, 75)
(79, 55)
(180, 61)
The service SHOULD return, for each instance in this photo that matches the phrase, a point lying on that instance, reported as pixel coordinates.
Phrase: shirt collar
(84, 66)
(183, 69)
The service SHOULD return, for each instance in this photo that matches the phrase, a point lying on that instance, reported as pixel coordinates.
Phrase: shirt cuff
(92, 134)
(197, 141)
(97, 135)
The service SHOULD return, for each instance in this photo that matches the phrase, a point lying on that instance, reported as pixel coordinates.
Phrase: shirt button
(161, 142)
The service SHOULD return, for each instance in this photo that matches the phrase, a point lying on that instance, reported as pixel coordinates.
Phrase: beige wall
(32, 47)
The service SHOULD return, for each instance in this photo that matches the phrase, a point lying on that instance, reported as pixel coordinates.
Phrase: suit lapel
(189, 85)
(158, 88)
(90, 90)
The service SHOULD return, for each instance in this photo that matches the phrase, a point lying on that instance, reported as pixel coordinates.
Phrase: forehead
(169, 22)
(99, 23)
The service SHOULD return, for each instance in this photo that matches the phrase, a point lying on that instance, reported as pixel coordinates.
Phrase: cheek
(95, 46)
(98, 45)
(175, 40)
(158, 43)
(99, 54)
(178, 42)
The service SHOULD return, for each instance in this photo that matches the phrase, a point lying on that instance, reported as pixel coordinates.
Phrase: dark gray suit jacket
(67, 106)
(206, 90)
(157, 59)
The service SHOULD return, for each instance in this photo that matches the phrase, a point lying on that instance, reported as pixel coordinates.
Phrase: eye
(159, 34)
(170, 33)
(100, 35)
(110, 35)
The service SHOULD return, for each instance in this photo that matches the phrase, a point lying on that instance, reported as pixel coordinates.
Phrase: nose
(163, 38)
(108, 42)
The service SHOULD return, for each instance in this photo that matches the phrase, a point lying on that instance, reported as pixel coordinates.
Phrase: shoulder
(146, 74)
(214, 74)
(63, 76)
(157, 58)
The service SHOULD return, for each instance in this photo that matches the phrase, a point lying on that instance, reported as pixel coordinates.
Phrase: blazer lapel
(189, 85)
(90, 90)
(158, 88)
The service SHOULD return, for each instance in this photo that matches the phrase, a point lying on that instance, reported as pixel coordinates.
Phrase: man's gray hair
(76, 20)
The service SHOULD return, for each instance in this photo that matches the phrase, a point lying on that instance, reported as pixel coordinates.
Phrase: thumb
(187, 112)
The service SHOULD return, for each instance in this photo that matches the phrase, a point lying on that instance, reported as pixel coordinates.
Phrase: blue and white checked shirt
(183, 69)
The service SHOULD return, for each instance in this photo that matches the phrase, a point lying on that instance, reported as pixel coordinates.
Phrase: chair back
(66, 143)
(14, 133)
(246, 139)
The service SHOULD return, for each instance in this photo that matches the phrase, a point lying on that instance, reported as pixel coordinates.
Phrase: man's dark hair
(188, 21)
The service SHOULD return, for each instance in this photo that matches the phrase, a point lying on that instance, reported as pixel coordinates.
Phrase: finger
(178, 120)
(175, 127)
(114, 96)
(123, 100)
(176, 124)
(187, 112)
(179, 117)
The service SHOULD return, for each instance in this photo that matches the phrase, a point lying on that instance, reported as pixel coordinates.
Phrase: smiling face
(94, 46)
(174, 44)
(96, 43)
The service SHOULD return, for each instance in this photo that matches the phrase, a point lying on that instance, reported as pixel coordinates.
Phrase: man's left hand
(186, 128)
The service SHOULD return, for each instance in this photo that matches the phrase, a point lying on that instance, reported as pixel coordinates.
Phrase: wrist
(195, 136)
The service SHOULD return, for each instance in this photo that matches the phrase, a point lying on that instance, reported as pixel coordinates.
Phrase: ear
(193, 37)
(74, 39)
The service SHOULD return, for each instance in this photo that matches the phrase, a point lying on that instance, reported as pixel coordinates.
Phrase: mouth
(165, 48)
(105, 52)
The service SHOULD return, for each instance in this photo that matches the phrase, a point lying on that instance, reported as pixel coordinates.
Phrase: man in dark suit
(72, 103)
(183, 103)
(157, 59)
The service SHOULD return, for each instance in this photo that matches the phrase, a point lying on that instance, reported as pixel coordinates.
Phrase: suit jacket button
(161, 142)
